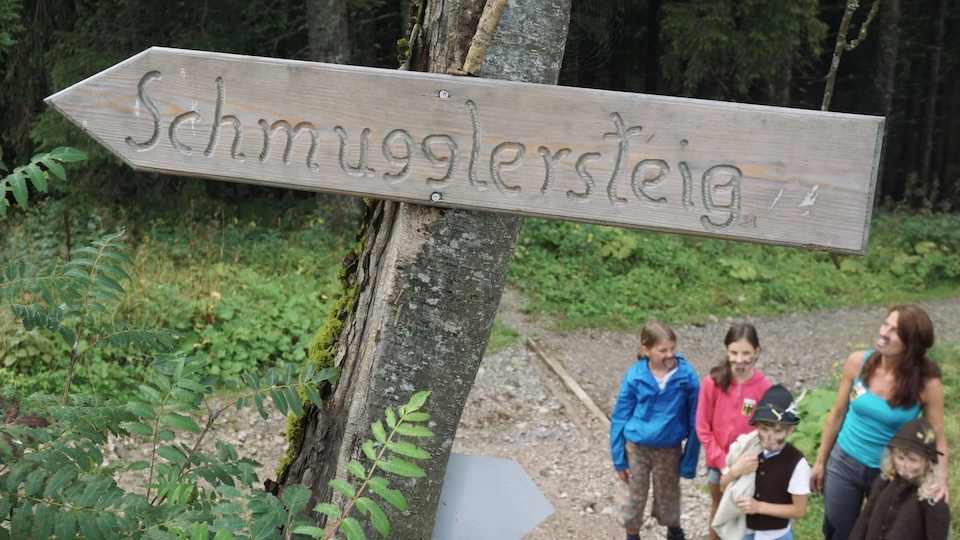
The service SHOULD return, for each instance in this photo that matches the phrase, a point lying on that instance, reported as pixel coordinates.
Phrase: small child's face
(663, 353)
(773, 437)
(909, 464)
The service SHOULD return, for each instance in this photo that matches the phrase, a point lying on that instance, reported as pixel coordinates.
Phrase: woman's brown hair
(915, 330)
(722, 373)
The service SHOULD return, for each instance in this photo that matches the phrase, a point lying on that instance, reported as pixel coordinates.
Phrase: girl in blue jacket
(655, 412)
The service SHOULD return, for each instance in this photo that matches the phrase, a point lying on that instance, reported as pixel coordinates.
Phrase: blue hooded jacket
(648, 416)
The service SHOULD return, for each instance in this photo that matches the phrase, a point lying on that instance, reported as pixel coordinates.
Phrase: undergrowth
(597, 276)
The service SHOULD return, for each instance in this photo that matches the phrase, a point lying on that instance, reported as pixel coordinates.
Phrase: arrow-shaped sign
(764, 174)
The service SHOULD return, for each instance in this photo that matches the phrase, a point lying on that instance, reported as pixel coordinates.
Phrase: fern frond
(124, 335)
(38, 172)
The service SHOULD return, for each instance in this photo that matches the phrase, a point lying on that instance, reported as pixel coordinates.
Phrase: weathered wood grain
(762, 174)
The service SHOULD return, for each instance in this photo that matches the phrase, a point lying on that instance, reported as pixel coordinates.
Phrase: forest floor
(520, 409)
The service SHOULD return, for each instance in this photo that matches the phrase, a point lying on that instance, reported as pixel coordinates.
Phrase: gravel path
(519, 409)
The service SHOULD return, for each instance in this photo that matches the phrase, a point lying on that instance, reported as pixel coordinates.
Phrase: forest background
(246, 274)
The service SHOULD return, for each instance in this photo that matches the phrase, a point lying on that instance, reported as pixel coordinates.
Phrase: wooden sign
(763, 174)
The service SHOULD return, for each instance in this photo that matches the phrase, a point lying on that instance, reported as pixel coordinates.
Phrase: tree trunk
(330, 41)
(328, 31)
(933, 86)
(889, 43)
(429, 282)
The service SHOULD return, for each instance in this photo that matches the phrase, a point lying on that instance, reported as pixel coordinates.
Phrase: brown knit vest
(773, 477)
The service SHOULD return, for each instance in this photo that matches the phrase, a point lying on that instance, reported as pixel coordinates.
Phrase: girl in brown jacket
(901, 504)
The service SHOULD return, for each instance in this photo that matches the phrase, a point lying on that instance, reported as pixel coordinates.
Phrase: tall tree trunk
(884, 78)
(428, 284)
(933, 85)
(328, 31)
(330, 41)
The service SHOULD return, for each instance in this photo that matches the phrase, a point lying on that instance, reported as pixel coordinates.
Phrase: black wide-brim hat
(917, 436)
(776, 406)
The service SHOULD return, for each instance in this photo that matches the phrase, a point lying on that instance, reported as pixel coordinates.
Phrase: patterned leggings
(663, 466)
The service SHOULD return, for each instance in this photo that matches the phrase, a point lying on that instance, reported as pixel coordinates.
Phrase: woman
(880, 390)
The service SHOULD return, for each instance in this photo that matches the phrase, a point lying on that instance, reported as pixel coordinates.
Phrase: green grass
(502, 337)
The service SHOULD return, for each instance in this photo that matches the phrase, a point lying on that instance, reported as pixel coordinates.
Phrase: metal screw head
(443, 94)
(436, 196)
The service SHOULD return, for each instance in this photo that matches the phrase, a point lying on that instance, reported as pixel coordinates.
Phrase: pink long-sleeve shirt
(722, 417)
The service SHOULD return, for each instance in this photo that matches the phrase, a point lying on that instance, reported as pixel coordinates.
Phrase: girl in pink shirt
(728, 397)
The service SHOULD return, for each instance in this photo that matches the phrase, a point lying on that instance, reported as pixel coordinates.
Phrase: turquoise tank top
(871, 423)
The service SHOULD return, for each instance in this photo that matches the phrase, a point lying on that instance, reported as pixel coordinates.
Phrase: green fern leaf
(310, 530)
(201, 531)
(54, 167)
(151, 395)
(108, 283)
(67, 154)
(327, 509)
(88, 526)
(64, 524)
(356, 469)
(142, 410)
(377, 517)
(295, 498)
(413, 431)
(330, 374)
(416, 417)
(407, 449)
(351, 528)
(258, 400)
(279, 401)
(390, 417)
(171, 453)
(21, 520)
(178, 421)
(42, 521)
(252, 380)
(368, 450)
(378, 432)
(18, 184)
(343, 487)
(34, 483)
(378, 485)
(401, 467)
(137, 428)
(417, 401)
(59, 479)
(312, 394)
(294, 401)
(37, 176)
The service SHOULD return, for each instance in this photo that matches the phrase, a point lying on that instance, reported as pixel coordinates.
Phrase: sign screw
(436, 196)
(443, 94)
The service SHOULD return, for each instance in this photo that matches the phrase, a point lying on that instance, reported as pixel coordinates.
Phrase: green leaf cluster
(388, 451)
(38, 172)
(76, 300)
(55, 481)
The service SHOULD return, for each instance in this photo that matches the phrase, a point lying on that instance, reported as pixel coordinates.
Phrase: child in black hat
(769, 479)
(901, 498)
